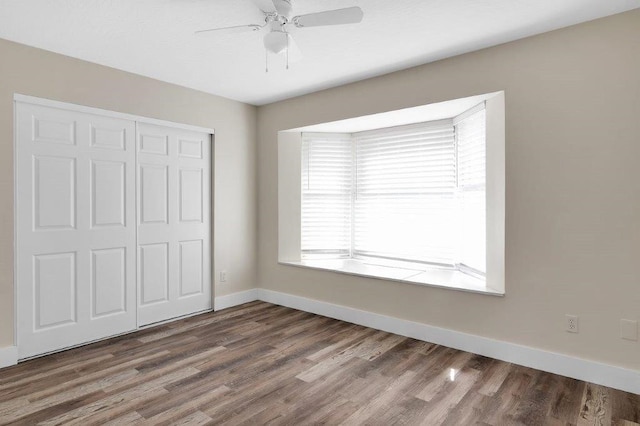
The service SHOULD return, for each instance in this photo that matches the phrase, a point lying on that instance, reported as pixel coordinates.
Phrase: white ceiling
(155, 37)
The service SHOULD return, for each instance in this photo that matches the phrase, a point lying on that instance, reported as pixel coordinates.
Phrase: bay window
(411, 193)
(414, 195)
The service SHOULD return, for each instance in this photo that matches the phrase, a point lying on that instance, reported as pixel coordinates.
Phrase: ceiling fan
(278, 20)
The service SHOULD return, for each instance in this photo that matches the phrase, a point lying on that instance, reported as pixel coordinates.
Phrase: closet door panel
(191, 280)
(108, 193)
(174, 173)
(108, 281)
(75, 227)
(154, 274)
(54, 192)
(55, 287)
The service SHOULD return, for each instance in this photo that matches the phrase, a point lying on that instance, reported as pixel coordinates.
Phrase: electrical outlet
(223, 276)
(572, 323)
(629, 329)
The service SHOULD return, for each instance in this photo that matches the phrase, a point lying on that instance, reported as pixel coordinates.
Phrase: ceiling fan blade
(349, 15)
(229, 30)
(266, 6)
(283, 7)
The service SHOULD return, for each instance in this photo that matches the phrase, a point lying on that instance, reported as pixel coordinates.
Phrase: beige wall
(43, 74)
(572, 196)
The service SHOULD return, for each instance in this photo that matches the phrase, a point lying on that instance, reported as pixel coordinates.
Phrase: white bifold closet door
(174, 267)
(76, 241)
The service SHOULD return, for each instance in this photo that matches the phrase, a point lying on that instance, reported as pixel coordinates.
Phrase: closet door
(75, 226)
(174, 254)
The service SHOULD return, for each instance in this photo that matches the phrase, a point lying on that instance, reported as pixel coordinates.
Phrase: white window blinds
(326, 194)
(405, 193)
(412, 193)
(471, 137)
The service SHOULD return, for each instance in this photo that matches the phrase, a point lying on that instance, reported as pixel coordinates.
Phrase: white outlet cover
(629, 329)
(571, 319)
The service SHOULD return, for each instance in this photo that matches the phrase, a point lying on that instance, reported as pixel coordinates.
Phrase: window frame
(289, 201)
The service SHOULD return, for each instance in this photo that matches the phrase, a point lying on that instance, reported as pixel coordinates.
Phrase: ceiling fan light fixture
(276, 41)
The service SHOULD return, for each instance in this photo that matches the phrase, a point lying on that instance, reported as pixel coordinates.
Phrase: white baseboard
(564, 365)
(235, 299)
(8, 356)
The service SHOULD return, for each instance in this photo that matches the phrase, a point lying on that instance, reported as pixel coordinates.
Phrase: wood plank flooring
(265, 364)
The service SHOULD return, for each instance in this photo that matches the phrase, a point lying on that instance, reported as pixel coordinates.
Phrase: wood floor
(265, 364)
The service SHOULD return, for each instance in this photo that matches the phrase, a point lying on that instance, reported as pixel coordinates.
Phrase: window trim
(427, 277)
(289, 193)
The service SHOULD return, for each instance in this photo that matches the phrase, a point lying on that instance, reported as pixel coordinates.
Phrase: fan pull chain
(266, 60)
(288, 50)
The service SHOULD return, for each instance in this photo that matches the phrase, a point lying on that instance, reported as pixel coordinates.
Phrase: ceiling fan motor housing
(277, 40)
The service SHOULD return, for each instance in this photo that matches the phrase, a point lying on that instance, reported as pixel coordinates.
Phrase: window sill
(432, 277)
